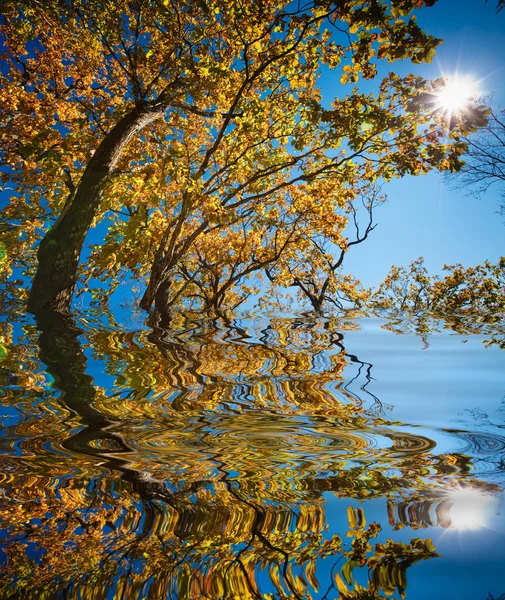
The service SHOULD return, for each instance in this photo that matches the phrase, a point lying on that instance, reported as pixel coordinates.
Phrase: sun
(469, 508)
(456, 95)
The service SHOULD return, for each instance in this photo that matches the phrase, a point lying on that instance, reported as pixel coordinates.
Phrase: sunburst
(456, 95)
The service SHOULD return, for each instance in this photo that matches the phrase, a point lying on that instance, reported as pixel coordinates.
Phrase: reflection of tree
(101, 539)
(205, 479)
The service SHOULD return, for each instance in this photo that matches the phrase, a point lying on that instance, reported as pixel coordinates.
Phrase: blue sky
(424, 216)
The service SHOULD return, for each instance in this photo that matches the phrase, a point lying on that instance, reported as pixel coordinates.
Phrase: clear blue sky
(424, 216)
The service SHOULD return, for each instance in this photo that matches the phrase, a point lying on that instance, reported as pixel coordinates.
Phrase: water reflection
(458, 507)
(469, 508)
(196, 461)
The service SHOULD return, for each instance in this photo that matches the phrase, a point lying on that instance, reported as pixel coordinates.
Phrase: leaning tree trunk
(159, 281)
(59, 251)
(156, 292)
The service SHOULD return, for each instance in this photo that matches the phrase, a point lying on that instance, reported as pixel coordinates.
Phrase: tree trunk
(149, 296)
(159, 280)
(156, 292)
(59, 251)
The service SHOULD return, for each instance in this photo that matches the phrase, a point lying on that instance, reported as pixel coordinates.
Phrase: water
(258, 458)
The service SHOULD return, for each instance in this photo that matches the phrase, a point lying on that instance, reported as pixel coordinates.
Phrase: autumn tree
(458, 290)
(177, 122)
(313, 267)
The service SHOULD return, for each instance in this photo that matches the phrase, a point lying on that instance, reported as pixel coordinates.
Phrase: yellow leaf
(352, 517)
(342, 588)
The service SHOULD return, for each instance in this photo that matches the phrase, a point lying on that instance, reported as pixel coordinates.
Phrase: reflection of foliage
(202, 471)
(387, 566)
(213, 548)
(19, 368)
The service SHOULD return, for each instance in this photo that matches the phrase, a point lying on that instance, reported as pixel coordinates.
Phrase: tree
(484, 161)
(218, 108)
(467, 300)
(314, 267)
(464, 291)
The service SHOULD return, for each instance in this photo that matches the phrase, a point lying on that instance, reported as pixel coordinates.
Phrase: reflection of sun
(468, 508)
(456, 94)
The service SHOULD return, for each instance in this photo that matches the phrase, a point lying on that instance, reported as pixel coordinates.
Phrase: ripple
(482, 443)
(223, 450)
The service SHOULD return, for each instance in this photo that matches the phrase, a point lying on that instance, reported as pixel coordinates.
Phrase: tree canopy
(465, 291)
(196, 134)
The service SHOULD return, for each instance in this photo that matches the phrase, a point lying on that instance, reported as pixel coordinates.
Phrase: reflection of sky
(451, 393)
(436, 386)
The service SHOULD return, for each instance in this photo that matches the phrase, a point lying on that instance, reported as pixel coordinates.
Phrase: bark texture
(59, 252)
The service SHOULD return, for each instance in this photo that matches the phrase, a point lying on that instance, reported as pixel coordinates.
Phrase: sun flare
(456, 94)
(469, 508)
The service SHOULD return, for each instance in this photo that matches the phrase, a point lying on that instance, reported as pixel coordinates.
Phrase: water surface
(257, 458)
